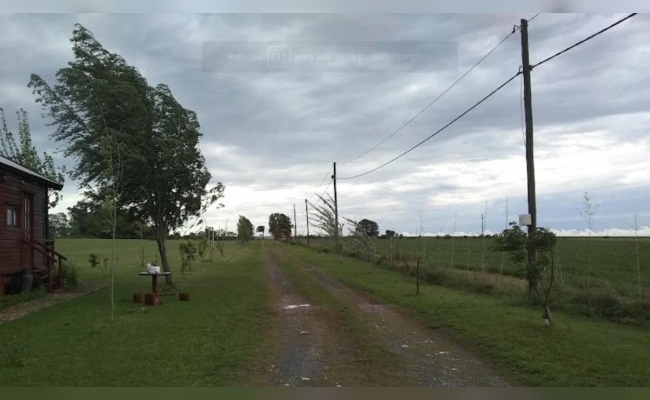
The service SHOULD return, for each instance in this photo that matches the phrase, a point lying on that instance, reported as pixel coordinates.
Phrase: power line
(582, 41)
(534, 16)
(321, 193)
(320, 185)
(325, 177)
(434, 100)
(490, 94)
(439, 130)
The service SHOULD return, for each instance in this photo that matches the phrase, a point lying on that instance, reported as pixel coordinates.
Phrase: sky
(272, 127)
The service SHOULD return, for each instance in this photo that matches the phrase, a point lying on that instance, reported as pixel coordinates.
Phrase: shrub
(93, 259)
(71, 276)
(188, 250)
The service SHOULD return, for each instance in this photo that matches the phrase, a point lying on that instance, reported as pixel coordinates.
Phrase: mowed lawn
(209, 340)
(216, 338)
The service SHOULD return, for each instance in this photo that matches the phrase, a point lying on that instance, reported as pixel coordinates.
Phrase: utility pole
(295, 223)
(482, 225)
(336, 210)
(530, 164)
(307, 215)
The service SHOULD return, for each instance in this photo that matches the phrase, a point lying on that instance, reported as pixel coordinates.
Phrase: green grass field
(215, 339)
(594, 276)
(206, 341)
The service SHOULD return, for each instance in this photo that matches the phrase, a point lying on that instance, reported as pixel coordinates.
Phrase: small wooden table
(154, 280)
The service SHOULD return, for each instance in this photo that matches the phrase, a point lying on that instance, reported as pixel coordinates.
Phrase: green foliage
(202, 246)
(71, 275)
(360, 241)
(535, 252)
(370, 227)
(25, 154)
(390, 233)
(280, 226)
(91, 217)
(121, 129)
(188, 251)
(516, 243)
(93, 259)
(60, 224)
(244, 230)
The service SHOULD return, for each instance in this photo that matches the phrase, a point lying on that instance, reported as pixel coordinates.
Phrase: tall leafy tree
(244, 229)
(21, 150)
(121, 130)
(91, 217)
(60, 224)
(260, 229)
(369, 227)
(280, 225)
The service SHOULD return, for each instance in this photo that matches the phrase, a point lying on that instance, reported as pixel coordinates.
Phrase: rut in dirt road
(422, 357)
(300, 359)
(313, 346)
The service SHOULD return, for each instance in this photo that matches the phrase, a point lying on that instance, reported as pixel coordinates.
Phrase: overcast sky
(272, 128)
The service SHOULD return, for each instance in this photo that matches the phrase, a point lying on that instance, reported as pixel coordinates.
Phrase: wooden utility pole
(530, 164)
(336, 211)
(307, 215)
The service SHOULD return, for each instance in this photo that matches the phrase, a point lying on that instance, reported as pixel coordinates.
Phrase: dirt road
(359, 341)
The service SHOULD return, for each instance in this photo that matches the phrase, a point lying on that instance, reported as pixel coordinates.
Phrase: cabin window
(12, 216)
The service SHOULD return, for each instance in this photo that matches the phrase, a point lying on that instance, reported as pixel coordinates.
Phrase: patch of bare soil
(20, 310)
(422, 357)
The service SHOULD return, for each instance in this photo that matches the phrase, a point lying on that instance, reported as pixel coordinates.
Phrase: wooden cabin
(27, 255)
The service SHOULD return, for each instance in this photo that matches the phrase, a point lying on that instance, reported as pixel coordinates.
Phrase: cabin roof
(17, 169)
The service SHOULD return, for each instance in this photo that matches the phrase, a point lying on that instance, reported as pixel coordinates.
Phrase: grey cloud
(288, 127)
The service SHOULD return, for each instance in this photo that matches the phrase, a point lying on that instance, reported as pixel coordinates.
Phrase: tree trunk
(161, 236)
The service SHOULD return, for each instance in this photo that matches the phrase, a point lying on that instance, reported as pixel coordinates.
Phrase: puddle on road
(291, 306)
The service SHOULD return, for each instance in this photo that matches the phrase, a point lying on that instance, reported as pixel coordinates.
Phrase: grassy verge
(209, 340)
(576, 352)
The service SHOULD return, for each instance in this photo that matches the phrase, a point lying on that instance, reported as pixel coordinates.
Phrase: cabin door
(28, 230)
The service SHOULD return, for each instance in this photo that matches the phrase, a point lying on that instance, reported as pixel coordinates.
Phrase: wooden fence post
(417, 276)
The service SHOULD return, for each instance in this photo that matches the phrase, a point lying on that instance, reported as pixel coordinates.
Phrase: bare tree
(587, 210)
(324, 218)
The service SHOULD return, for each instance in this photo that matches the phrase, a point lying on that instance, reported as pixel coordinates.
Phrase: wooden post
(295, 223)
(307, 215)
(60, 276)
(417, 276)
(530, 163)
(336, 212)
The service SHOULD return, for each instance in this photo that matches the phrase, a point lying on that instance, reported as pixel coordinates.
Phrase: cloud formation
(271, 135)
